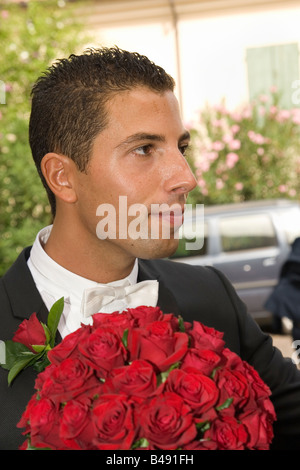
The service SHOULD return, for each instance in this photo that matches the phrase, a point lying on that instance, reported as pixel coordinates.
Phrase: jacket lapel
(166, 300)
(28, 300)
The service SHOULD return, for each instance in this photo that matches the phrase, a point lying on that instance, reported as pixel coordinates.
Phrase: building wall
(212, 49)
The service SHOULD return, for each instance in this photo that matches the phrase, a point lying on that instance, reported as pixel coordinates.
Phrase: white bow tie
(108, 299)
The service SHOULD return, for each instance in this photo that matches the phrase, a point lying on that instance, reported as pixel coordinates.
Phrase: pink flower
(260, 151)
(235, 128)
(231, 159)
(296, 119)
(212, 156)
(235, 144)
(218, 123)
(263, 98)
(257, 138)
(217, 146)
(227, 138)
(283, 115)
(219, 184)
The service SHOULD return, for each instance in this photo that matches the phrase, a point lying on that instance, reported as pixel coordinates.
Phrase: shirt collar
(65, 281)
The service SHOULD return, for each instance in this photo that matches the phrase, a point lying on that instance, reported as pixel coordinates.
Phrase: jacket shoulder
(182, 274)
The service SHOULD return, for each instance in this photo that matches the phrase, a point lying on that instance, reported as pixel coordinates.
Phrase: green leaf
(125, 338)
(30, 447)
(164, 375)
(47, 332)
(42, 363)
(38, 348)
(14, 352)
(53, 319)
(18, 357)
(17, 367)
(203, 426)
(225, 405)
(141, 443)
(212, 375)
(181, 324)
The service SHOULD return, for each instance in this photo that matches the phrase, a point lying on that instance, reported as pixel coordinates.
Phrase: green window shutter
(273, 65)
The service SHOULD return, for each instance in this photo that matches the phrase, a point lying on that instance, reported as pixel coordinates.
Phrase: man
(106, 126)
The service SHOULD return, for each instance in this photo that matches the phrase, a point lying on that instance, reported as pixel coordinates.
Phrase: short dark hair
(68, 101)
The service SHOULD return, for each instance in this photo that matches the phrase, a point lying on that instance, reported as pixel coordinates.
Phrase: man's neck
(90, 260)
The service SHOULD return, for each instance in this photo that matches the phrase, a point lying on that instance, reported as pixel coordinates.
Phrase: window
(290, 222)
(247, 232)
(273, 65)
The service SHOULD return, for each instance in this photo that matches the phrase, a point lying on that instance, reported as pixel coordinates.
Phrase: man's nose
(180, 178)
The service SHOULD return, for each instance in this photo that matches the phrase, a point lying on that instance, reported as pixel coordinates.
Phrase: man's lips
(174, 220)
(173, 216)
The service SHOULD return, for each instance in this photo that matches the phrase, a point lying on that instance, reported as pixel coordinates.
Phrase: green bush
(248, 154)
(32, 36)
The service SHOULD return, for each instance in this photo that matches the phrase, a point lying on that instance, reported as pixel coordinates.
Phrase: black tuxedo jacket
(196, 293)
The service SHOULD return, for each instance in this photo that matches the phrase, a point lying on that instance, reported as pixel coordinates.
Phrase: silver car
(248, 242)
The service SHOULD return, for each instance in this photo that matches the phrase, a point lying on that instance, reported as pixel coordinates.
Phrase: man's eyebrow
(142, 136)
(185, 136)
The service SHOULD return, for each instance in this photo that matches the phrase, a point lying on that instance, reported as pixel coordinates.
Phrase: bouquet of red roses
(141, 379)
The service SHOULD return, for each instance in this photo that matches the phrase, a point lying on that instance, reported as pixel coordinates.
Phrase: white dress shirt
(53, 282)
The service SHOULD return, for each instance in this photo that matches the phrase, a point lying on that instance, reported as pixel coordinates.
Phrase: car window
(290, 223)
(191, 245)
(246, 232)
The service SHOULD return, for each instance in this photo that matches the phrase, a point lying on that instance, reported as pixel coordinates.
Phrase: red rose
(68, 380)
(103, 350)
(30, 332)
(69, 346)
(260, 427)
(113, 422)
(196, 389)
(158, 344)
(260, 431)
(43, 417)
(232, 384)
(24, 421)
(143, 315)
(259, 388)
(204, 361)
(206, 338)
(232, 360)
(104, 389)
(167, 422)
(43, 376)
(116, 321)
(228, 433)
(138, 380)
(75, 418)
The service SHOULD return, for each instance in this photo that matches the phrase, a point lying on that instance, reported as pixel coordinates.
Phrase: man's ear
(58, 171)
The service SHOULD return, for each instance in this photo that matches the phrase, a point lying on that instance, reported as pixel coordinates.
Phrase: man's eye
(184, 148)
(144, 150)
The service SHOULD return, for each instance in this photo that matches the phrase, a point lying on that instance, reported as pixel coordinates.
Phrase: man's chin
(159, 249)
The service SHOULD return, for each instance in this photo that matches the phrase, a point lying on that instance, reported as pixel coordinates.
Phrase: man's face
(137, 159)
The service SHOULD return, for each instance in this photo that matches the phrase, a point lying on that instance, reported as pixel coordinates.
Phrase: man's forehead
(140, 95)
(141, 113)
